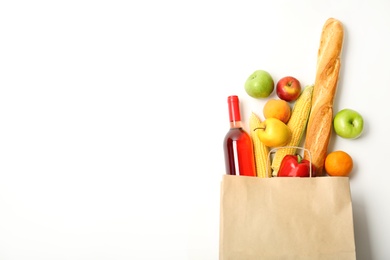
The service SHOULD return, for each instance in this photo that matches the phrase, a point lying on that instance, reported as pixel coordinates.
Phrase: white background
(112, 116)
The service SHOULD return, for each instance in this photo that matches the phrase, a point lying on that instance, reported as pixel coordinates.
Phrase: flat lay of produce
(291, 137)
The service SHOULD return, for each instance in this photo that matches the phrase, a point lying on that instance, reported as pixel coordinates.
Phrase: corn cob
(263, 164)
(297, 124)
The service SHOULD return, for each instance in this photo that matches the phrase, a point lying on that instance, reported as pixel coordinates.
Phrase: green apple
(272, 132)
(259, 84)
(348, 123)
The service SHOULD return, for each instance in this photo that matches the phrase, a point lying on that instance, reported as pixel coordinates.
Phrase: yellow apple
(273, 132)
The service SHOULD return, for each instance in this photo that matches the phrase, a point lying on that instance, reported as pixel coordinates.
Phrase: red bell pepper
(295, 166)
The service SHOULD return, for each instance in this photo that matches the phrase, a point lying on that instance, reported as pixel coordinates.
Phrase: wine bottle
(238, 147)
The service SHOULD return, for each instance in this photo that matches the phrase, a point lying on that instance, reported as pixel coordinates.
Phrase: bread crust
(319, 127)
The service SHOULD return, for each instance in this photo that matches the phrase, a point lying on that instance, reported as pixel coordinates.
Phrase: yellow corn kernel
(297, 124)
(263, 164)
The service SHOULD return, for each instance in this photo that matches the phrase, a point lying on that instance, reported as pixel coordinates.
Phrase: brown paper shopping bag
(286, 218)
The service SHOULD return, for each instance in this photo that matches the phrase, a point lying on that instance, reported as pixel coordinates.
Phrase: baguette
(319, 126)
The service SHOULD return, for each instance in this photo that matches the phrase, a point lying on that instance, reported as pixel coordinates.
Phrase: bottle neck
(236, 124)
(234, 112)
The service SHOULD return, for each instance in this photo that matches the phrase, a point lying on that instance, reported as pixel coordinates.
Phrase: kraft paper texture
(286, 218)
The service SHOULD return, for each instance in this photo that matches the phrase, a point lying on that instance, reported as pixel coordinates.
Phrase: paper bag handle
(273, 150)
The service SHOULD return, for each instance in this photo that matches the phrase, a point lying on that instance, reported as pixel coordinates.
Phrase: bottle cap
(234, 108)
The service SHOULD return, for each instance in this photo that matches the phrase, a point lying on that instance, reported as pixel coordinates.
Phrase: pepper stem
(299, 158)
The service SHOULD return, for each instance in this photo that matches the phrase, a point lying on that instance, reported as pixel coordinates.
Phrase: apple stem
(257, 128)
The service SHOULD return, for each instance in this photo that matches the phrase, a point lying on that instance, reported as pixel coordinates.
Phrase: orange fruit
(277, 108)
(338, 163)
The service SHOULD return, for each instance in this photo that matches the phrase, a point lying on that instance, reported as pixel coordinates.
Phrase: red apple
(288, 88)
